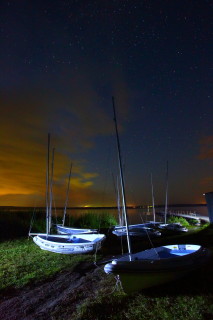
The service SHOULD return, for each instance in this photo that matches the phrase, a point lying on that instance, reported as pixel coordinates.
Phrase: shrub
(181, 220)
(96, 220)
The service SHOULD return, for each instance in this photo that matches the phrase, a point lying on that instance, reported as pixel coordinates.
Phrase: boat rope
(106, 174)
(55, 212)
(31, 222)
(122, 248)
(99, 227)
(150, 238)
(118, 284)
(95, 255)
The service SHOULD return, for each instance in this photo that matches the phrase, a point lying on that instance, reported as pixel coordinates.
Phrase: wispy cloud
(26, 119)
(72, 110)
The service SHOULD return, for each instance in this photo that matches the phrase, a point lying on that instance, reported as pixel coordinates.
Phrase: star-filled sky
(60, 64)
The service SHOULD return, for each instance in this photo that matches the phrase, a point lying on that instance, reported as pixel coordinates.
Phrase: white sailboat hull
(136, 230)
(73, 244)
(69, 230)
(156, 266)
(173, 227)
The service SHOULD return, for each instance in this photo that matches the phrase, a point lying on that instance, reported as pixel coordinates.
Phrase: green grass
(23, 262)
(143, 307)
(190, 298)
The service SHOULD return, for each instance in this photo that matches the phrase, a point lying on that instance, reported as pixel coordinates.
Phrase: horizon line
(115, 207)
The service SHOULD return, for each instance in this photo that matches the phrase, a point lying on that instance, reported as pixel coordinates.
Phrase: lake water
(137, 215)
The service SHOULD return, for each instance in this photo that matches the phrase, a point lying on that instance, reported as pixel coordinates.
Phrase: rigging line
(55, 212)
(95, 254)
(106, 175)
(153, 199)
(120, 214)
(67, 196)
(51, 190)
(122, 181)
(117, 194)
(120, 209)
(99, 221)
(47, 185)
(32, 221)
(122, 248)
(150, 239)
(166, 201)
(118, 285)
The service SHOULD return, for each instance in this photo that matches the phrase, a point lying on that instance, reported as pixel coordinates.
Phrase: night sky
(60, 64)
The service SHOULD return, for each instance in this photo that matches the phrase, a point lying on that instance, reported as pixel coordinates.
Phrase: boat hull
(137, 230)
(156, 266)
(69, 244)
(68, 230)
(136, 282)
(176, 227)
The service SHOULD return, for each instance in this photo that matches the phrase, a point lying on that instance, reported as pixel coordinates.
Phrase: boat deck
(64, 240)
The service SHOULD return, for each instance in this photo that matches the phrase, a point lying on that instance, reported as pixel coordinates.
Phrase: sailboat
(64, 244)
(154, 266)
(175, 227)
(153, 224)
(61, 228)
(135, 230)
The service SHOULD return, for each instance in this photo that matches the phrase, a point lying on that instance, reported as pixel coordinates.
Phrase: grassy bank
(190, 298)
(22, 262)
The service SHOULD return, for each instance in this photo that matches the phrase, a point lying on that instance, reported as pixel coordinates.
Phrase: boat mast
(47, 185)
(153, 200)
(166, 202)
(122, 182)
(120, 211)
(66, 202)
(51, 190)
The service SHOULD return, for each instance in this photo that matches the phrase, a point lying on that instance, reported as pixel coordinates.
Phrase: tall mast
(120, 213)
(153, 200)
(122, 182)
(66, 202)
(166, 201)
(51, 190)
(47, 185)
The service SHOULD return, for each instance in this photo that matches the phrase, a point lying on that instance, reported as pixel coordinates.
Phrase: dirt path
(46, 300)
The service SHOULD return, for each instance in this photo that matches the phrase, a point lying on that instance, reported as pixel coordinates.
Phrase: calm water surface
(136, 215)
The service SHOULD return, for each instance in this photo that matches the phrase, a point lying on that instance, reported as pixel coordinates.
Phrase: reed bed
(16, 224)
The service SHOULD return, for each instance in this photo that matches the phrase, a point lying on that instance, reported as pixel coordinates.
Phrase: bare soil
(53, 297)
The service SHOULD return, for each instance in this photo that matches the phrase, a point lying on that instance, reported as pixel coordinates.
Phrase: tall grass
(18, 224)
(95, 220)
